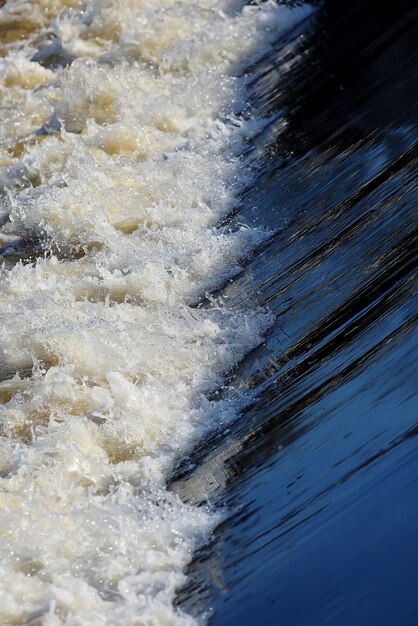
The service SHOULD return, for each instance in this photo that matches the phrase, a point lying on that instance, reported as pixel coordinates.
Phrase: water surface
(320, 474)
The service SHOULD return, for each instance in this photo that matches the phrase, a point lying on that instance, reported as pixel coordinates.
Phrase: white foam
(124, 162)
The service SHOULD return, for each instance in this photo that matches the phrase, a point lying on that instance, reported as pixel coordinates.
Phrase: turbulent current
(124, 128)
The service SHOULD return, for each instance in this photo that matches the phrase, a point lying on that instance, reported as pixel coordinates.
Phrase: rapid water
(320, 474)
(123, 130)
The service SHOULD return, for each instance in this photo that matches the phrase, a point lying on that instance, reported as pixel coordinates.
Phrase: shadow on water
(320, 474)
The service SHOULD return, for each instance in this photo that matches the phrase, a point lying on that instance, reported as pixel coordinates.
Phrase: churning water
(123, 129)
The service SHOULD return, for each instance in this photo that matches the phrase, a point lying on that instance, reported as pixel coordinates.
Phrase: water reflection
(320, 474)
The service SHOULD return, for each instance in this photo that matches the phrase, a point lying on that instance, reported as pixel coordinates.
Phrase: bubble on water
(121, 152)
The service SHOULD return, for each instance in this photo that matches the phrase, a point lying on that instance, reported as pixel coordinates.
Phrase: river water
(320, 474)
(207, 391)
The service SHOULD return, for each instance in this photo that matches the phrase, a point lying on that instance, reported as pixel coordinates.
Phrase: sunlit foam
(121, 144)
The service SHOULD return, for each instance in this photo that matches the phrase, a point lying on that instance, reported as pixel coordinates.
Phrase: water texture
(123, 135)
(320, 474)
(207, 313)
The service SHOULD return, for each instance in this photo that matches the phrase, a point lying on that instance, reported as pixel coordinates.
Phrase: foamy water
(122, 129)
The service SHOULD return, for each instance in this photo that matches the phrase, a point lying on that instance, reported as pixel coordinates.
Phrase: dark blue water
(320, 475)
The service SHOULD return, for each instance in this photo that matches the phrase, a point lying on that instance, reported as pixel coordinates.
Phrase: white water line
(122, 164)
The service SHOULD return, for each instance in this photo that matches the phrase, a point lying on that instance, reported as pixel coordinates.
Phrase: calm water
(320, 475)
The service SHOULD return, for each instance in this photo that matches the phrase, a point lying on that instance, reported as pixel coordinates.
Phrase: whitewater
(124, 129)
